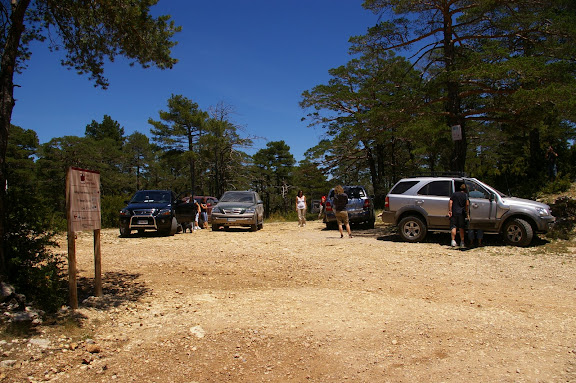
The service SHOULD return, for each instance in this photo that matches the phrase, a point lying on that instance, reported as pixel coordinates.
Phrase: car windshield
(502, 195)
(151, 197)
(237, 197)
(354, 192)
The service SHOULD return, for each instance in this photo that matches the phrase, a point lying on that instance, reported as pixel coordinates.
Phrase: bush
(564, 209)
(31, 266)
(110, 209)
(559, 185)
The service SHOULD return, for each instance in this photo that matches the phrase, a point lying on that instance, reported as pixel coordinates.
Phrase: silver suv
(420, 204)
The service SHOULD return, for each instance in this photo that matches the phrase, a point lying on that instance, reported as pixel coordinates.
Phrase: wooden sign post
(83, 212)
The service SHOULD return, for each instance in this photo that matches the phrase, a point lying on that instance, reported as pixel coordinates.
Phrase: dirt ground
(290, 304)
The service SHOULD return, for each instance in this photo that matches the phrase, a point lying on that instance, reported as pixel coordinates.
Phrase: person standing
(322, 204)
(458, 211)
(197, 210)
(551, 157)
(340, 202)
(301, 208)
(204, 212)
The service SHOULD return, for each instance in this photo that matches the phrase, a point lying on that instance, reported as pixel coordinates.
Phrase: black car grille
(144, 211)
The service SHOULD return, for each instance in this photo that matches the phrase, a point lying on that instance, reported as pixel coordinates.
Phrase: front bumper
(546, 224)
(233, 220)
(146, 222)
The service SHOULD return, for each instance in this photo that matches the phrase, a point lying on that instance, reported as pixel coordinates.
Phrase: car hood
(148, 205)
(234, 205)
(524, 202)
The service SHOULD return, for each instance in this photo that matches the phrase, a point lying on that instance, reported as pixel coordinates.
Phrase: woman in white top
(301, 208)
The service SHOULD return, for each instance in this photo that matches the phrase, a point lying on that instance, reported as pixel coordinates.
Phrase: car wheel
(174, 227)
(518, 232)
(331, 225)
(254, 227)
(370, 224)
(412, 229)
(215, 227)
(124, 231)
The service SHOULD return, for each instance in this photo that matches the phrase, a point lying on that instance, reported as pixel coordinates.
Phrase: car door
(482, 207)
(434, 198)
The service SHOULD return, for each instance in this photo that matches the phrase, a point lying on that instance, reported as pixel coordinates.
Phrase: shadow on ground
(117, 288)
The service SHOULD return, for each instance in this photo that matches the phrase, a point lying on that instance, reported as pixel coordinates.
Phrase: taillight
(328, 206)
(366, 204)
(387, 203)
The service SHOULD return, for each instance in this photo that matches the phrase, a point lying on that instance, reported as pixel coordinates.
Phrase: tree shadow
(117, 288)
(440, 238)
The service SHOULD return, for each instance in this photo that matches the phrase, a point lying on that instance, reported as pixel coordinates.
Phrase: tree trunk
(8, 63)
(453, 102)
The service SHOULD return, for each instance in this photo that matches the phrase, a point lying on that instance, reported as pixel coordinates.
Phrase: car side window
(436, 188)
(403, 187)
(476, 191)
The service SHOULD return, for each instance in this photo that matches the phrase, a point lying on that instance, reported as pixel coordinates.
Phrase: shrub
(564, 209)
(31, 266)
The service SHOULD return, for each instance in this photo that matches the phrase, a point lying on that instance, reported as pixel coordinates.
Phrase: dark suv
(149, 210)
(420, 204)
(360, 207)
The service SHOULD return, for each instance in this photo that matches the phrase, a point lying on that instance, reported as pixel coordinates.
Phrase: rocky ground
(290, 304)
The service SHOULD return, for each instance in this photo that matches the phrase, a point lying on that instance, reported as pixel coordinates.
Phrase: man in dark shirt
(458, 212)
(340, 201)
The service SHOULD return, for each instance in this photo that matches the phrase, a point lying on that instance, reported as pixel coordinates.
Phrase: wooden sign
(83, 199)
(83, 212)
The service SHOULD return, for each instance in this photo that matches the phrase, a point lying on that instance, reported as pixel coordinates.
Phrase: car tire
(169, 232)
(412, 229)
(370, 224)
(125, 231)
(331, 225)
(215, 227)
(174, 227)
(518, 232)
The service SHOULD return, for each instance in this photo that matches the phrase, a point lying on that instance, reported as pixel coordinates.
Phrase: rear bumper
(354, 216)
(389, 217)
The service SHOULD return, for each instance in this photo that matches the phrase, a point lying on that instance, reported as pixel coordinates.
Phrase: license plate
(143, 222)
(231, 219)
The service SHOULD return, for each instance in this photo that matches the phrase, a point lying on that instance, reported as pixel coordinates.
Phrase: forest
(480, 87)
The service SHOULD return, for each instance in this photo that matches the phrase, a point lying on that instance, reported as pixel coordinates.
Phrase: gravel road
(291, 304)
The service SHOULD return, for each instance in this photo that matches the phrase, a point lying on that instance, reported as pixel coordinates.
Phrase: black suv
(360, 207)
(149, 210)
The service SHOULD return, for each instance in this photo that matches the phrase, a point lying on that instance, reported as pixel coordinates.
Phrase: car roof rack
(440, 174)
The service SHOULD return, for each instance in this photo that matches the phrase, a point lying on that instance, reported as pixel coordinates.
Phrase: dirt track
(290, 304)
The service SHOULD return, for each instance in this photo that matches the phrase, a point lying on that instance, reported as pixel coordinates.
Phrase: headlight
(164, 212)
(250, 210)
(216, 210)
(124, 213)
(542, 212)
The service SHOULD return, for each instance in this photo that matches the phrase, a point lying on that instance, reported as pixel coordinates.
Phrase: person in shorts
(340, 202)
(458, 212)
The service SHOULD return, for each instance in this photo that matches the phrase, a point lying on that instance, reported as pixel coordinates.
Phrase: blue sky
(256, 55)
